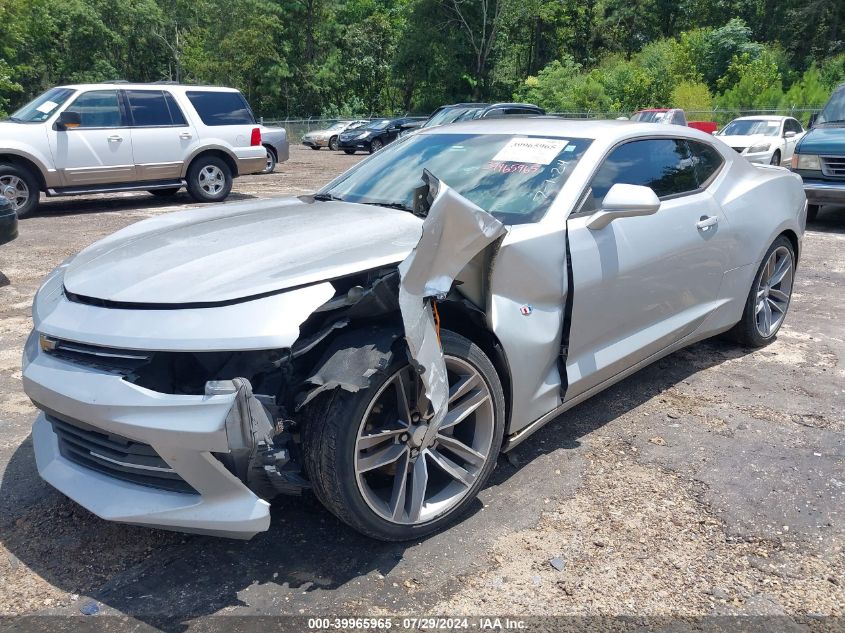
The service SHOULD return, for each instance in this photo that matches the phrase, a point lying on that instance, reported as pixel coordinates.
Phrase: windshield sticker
(47, 107)
(511, 168)
(539, 151)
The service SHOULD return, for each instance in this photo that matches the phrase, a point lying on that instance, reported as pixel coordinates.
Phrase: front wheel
(775, 158)
(209, 179)
(769, 297)
(315, 148)
(373, 462)
(812, 212)
(349, 151)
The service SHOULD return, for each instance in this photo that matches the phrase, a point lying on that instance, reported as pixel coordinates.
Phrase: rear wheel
(164, 193)
(376, 145)
(371, 464)
(270, 165)
(333, 143)
(20, 188)
(812, 212)
(209, 179)
(769, 297)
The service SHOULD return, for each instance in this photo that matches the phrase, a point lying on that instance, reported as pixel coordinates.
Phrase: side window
(221, 108)
(707, 161)
(176, 114)
(98, 108)
(149, 109)
(662, 164)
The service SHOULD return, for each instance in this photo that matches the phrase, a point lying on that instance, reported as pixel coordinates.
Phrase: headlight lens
(806, 161)
(364, 134)
(760, 147)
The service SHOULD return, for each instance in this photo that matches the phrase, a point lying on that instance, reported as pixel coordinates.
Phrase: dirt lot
(713, 482)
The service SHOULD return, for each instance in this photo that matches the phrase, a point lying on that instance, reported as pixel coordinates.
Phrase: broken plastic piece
(454, 231)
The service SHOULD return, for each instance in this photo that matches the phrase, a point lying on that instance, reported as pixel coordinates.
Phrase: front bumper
(762, 158)
(315, 142)
(356, 144)
(183, 430)
(8, 226)
(824, 191)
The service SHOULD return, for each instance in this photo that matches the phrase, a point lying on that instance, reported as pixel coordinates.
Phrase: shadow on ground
(119, 202)
(307, 559)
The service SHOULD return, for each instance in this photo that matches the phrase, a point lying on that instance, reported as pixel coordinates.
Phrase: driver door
(99, 151)
(643, 283)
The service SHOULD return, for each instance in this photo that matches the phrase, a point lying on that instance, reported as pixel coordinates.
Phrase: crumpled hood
(747, 140)
(824, 139)
(228, 252)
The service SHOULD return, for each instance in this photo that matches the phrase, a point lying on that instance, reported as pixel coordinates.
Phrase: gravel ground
(711, 482)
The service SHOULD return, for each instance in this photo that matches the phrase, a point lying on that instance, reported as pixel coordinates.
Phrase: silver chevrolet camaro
(380, 342)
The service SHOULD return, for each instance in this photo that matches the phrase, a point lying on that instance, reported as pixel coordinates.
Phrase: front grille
(114, 455)
(833, 166)
(104, 358)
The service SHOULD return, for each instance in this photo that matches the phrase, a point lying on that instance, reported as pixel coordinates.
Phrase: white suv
(95, 138)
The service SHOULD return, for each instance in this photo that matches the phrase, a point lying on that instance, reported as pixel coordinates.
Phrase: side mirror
(789, 134)
(624, 201)
(813, 117)
(68, 120)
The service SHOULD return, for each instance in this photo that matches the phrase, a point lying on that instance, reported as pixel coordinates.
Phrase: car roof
(598, 129)
(119, 85)
(763, 117)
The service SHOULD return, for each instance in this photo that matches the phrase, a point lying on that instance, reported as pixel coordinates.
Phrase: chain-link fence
(297, 128)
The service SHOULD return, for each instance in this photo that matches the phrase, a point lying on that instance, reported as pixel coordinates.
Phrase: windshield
(834, 111)
(746, 127)
(446, 115)
(377, 125)
(40, 108)
(515, 178)
(649, 116)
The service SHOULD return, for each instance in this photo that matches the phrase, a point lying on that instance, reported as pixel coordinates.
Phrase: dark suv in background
(820, 156)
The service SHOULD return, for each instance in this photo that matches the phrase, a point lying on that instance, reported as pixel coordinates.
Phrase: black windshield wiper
(390, 205)
(324, 197)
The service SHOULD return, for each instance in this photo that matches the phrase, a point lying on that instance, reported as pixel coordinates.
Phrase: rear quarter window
(707, 161)
(221, 108)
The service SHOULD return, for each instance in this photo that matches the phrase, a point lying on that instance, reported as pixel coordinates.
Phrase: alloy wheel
(15, 190)
(270, 165)
(408, 479)
(773, 292)
(211, 179)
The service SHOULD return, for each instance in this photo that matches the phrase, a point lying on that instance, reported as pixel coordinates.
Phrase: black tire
(28, 202)
(195, 186)
(271, 161)
(315, 147)
(745, 332)
(775, 158)
(331, 423)
(376, 145)
(349, 151)
(813, 212)
(164, 193)
(333, 143)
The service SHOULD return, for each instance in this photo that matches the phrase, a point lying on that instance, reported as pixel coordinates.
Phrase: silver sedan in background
(381, 342)
(329, 136)
(275, 141)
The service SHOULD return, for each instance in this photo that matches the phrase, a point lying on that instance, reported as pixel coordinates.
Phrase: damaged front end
(152, 394)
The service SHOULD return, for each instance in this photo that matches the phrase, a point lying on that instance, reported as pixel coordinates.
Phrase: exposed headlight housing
(363, 135)
(760, 147)
(806, 161)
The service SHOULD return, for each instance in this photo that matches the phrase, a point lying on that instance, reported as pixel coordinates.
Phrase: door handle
(115, 138)
(186, 136)
(705, 222)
